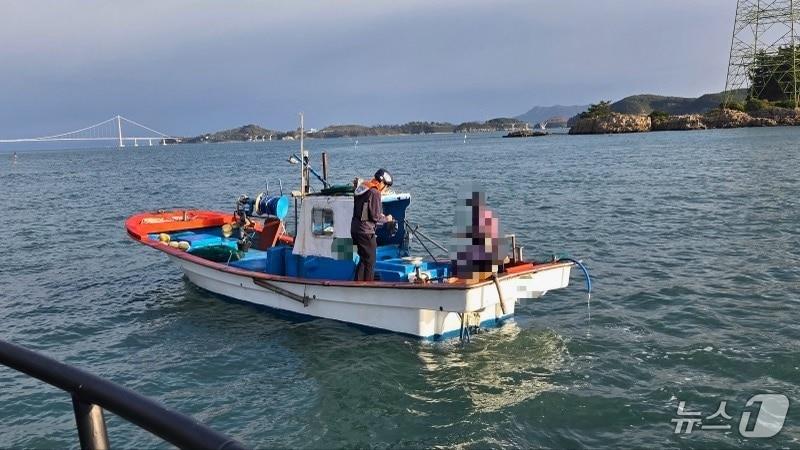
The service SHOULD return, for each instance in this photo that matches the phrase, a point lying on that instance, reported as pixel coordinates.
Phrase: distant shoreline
(255, 133)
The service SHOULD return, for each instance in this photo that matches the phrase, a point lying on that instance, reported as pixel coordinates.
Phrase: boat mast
(303, 179)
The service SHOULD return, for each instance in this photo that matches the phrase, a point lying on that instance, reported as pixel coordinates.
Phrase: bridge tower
(765, 56)
(119, 130)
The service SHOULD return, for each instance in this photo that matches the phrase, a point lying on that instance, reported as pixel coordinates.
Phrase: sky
(189, 67)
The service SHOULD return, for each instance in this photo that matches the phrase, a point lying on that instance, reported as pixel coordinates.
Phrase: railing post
(91, 425)
(89, 392)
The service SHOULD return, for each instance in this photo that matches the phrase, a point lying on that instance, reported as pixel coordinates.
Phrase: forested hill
(539, 114)
(334, 131)
(244, 133)
(497, 124)
(647, 103)
(257, 133)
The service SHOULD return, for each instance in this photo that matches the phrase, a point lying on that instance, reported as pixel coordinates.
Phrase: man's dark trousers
(367, 247)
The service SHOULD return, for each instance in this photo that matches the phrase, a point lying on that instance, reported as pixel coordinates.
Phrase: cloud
(195, 66)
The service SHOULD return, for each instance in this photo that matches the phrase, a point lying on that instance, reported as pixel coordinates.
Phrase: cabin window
(322, 222)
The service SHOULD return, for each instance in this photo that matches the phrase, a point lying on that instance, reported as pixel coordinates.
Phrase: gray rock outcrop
(781, 116)
(679, 123)
(613, 123)
(727, 118)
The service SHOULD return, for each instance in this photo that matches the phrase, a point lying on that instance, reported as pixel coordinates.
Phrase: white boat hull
(425, 313)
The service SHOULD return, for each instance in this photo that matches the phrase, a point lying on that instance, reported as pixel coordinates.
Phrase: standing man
(367, 214)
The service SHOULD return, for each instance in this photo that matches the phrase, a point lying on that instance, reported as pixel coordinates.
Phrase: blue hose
(585, 272)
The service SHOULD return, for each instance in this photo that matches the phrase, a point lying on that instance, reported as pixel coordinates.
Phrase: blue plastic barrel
(277, 206)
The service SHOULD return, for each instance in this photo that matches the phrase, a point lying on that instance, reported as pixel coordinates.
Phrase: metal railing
(91, 394)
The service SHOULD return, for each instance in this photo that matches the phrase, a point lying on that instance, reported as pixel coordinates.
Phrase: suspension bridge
(117, 128)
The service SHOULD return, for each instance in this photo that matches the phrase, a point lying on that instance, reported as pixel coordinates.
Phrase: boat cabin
(322, 248)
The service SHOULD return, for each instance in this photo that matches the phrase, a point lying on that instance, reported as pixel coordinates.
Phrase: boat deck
(391, 265)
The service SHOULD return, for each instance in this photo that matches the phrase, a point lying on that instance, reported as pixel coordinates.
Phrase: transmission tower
(763, 47)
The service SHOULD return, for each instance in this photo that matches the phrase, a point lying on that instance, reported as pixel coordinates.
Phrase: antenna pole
(303, 171)
(325, 166)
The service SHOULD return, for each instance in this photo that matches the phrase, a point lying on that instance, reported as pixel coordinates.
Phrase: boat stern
(535, 284)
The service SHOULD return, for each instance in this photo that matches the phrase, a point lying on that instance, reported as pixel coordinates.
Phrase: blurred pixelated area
(479, 249)
(342, 248)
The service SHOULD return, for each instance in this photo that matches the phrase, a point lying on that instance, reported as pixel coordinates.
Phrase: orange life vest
(362, 189)
(367, 185)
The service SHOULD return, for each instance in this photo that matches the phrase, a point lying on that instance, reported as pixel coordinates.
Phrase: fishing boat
(249, 255)
(527, 132)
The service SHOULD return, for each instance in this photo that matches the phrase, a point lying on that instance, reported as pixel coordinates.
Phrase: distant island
(643, 113)
(554, 116)
(770, 101)
(244, 134)
(250, 133)
(335, 131)
(645, 104)
(636, 113)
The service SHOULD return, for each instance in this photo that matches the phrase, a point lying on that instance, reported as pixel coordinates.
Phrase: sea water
(692, 239)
